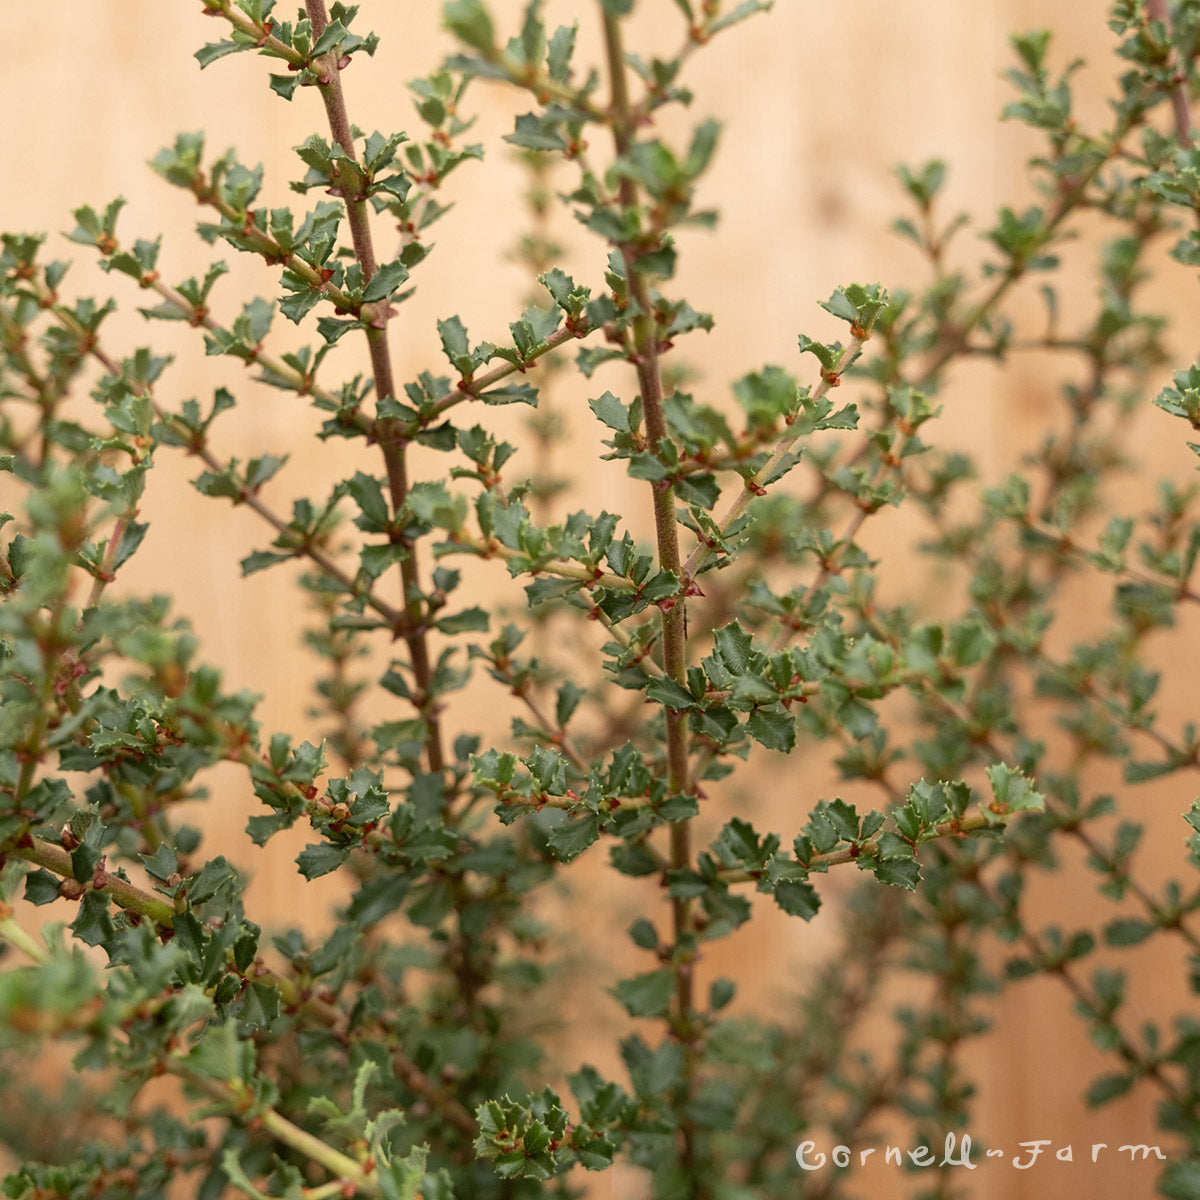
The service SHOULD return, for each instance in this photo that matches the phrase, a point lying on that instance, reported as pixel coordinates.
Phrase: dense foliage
(402, 1056)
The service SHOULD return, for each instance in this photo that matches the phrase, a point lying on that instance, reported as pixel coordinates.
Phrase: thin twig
(1157, 11)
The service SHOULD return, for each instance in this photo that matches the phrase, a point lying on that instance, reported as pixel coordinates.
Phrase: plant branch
(18, 936)
(1074, 828)
(674, 619)
(300, 384)
(954, 338)
(1094, 1008)
(529, 77)
(234, 1096)
(33, 746)
(480, 383)
(587, 577)
(1156, 10)
(389, 436)
(137, 900)
(126, 895)
(1071, 545)
(651, 390)
(783, 447)
(258, 31)
(394, 617)
(956, 828)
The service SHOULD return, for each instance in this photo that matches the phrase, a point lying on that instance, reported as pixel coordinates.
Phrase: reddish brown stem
(389, 435)
(674, 621)
(1157, 11)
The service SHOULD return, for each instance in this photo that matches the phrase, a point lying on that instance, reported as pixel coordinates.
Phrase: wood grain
(820, 102)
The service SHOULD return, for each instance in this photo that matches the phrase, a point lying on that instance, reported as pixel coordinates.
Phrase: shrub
(410, 1051)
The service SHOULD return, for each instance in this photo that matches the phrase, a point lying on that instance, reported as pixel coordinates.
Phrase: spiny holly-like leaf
(646, 995)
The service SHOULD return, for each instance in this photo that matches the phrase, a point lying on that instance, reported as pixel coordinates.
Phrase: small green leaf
(1108, 1087)
(670, 694)
(573, 836)
(797, 898)
(470, 22)
(646, 995)
(321, 858)
(1128, 931)
(773, 727)
(386, 281)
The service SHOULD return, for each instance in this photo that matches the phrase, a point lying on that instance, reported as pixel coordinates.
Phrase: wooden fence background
(820, 101)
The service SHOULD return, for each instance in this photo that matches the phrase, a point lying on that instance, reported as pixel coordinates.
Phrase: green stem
(126, 895)
(333, 1017)
(33, 748)
(958, 828)
(588, 576)
(134, 899)
(104, 575)
(336, 1163)
(480, 383)
(531, 79)
(233, 1095)
(16, 935)
(260, 31)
